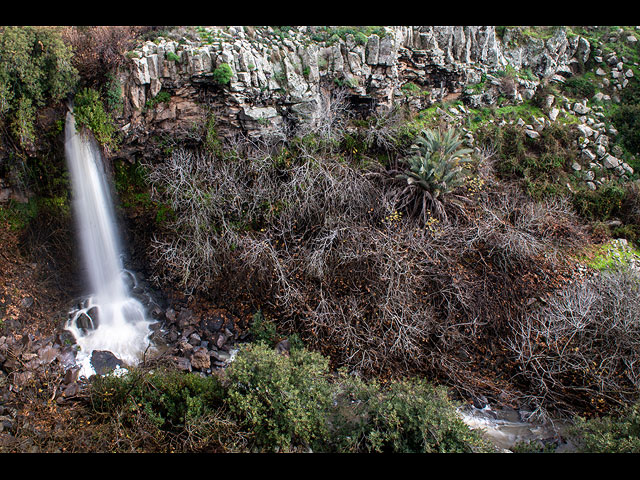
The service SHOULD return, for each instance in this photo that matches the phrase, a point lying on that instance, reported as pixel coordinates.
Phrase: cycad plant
(436, 168)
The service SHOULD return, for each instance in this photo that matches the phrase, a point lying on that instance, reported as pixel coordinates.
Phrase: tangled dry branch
(584, 342)
(321, 243)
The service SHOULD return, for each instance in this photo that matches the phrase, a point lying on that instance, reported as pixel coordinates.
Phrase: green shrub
(626, 119)
(540, 165)
(360, 38)
(35, 69)
(170, 399)
(22, 123)
(579, 86)
(407, 416)
(89, 112)
(610, 434)
(113, 94)
(161, 97)
(263, 330)
(171, 56)
(212, 141)
(18, 215)
(600, 204)
(269, 401)
(222, 74)
(436, 167)
(283, 400)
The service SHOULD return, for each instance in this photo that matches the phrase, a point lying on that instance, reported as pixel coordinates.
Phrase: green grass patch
(610, 255)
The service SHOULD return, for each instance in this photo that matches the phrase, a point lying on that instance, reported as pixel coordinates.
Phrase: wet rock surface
(104, 362)
(507, 428)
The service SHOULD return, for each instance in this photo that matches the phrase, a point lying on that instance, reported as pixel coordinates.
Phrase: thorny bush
(322, 244)
(584, 344)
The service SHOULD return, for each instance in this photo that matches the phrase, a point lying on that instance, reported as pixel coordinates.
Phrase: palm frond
(435, 167)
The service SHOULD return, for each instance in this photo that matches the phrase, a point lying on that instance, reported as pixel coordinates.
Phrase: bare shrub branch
(584, 342)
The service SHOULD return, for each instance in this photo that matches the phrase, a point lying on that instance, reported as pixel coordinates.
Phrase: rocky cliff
(285, 78)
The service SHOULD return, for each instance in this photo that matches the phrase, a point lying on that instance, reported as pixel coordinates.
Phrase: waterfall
(109, 318)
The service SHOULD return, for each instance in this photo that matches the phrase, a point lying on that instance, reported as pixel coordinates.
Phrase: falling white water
(110, 319)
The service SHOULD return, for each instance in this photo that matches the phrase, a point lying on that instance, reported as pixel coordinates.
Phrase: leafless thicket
(100, 49)
(518, 229)
(213, 200)
(585, 342)
(330, 118)
(321, 242)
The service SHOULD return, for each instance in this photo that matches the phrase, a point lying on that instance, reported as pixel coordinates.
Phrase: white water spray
(110, 319)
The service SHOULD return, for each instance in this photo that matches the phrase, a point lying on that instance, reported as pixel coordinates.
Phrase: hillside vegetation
(388, 267)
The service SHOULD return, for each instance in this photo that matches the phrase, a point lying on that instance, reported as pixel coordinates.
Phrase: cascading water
(110, 318)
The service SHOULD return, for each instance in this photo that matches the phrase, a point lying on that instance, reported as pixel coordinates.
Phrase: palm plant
(435, 169)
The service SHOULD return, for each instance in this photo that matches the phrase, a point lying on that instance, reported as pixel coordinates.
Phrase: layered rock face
(280, 81)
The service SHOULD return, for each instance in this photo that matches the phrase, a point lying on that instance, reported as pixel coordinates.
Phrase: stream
(506, 428)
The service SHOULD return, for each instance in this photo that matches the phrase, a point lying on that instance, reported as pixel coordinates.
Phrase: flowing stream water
(109, 318)
(505, 428)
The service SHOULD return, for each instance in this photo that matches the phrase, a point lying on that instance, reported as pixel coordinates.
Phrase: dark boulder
(104, 361)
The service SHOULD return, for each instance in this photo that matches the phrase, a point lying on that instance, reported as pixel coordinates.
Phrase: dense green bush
(166, 411)
(535, 159)
(222, 74)
(90, 112)
(407, 416)
(610, 434)
(171, 56)
(282, 399)
(539, 165)
(626, 119)
(168, 398)
(263, 330)
(268, 401)
(35, 69)
(600, 204)
(579, 86)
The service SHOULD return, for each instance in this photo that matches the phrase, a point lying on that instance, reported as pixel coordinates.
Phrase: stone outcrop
(278, 81)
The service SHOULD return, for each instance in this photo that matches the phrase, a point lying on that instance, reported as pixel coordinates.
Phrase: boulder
(200, 359)
(185, 318)
(182, 364)
(610, 162)
(48, 354)
(581, 108)
(531, 133)
(104, 362)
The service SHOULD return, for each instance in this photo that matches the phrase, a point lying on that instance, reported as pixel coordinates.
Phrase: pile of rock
(199, 343)
(25, 358)
(180, 338)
